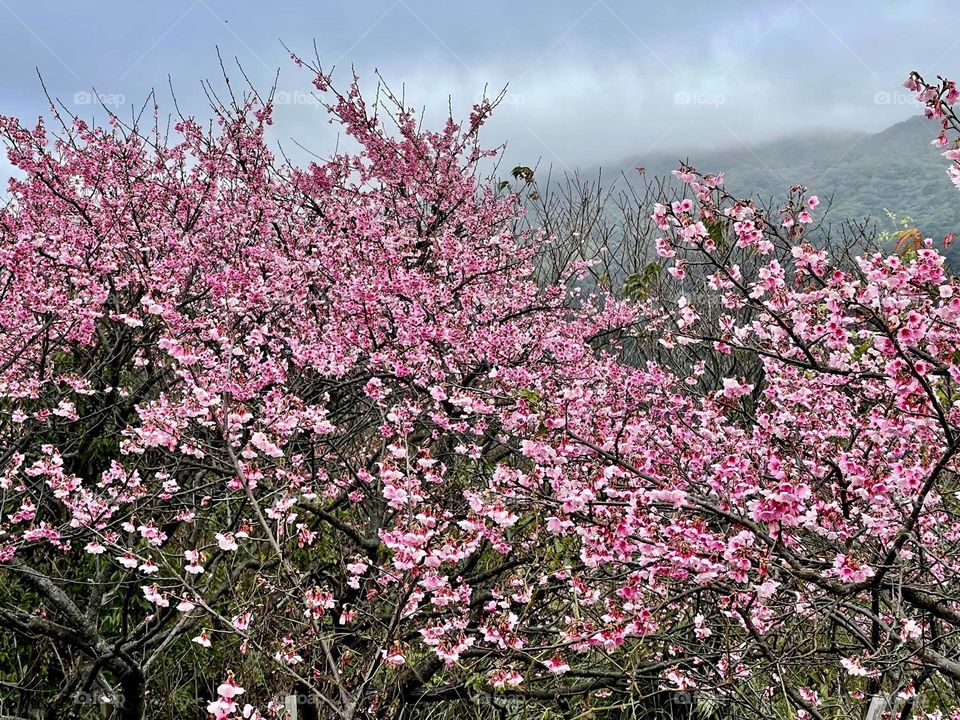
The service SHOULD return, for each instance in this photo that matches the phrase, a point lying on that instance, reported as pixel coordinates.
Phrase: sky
(588, 82)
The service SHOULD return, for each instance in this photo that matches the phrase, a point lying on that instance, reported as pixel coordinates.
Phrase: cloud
(589, 82)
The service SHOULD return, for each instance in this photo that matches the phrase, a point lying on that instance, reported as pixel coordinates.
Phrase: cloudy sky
(589, 82)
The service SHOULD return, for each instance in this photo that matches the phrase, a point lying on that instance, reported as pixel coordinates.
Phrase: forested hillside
(865, 174)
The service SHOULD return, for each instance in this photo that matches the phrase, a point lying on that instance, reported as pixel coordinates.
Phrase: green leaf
(522, 172)
(715, 230)
(637, 286)
(530, 396)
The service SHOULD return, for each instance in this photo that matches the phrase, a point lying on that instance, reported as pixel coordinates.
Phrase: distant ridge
(896, 169)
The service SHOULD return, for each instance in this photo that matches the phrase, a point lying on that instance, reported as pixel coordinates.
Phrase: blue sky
(589, 82)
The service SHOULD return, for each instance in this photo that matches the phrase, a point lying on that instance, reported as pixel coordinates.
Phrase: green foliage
(860, 175)
(522, 172)
(897, 225)
(638, 285)
(715, 229)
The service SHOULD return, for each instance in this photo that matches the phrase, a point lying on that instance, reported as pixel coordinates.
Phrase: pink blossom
(154, 596)
(229, 689)
(556, 665)
(734, 389)
(226, 541)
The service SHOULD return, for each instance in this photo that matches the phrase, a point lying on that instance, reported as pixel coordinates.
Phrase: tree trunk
(130, 704)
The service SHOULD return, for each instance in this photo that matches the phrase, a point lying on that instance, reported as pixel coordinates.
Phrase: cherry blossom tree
(333, 430)
(261, 408)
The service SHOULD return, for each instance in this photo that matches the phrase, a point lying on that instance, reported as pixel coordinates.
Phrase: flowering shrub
(322, 428)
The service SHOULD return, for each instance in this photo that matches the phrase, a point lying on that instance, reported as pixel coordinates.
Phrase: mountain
(866, 174)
